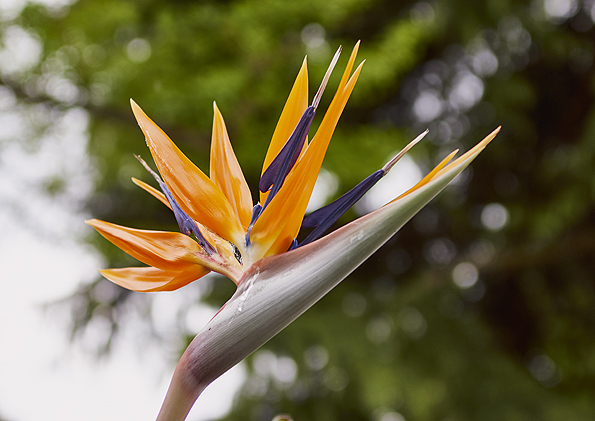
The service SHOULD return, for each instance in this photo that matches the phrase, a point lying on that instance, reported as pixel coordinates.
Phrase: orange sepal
(475, 150)
(150, 279)
(226, 172)
(172, 251)
(152, 191)
(296, 104)
(428, 176)
(280, 222)
(444, 165)
(196, 194)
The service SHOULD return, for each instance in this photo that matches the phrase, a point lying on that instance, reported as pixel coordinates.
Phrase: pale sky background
(43, 259)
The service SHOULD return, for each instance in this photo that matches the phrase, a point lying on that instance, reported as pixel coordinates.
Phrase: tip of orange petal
(138, 112)
(135, 108)
(98, 224)
(473, 152)
(356, 48)
(95, 223)
(217, 112)
(493, 134)
(485, 141)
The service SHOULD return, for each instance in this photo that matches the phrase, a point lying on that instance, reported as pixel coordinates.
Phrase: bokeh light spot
(427, 106)
(558, 10)
(316, 357)
(413, 322)
(494, 217)
(138, 50)
(465, 275)
(326, 185)
(336, 379)
(378, 330)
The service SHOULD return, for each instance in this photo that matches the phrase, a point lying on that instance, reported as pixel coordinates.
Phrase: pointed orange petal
(280, 221)
(282, 242)
(222, 246)
(296, 104)
(226, 172)
(349, 66)
(164, 250)
(150, 279)
(475, 150)
(429, 176)
(443, 167)
(196, 194)
(151, 190)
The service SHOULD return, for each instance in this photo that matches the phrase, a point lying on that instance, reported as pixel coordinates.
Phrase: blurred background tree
(481, 308)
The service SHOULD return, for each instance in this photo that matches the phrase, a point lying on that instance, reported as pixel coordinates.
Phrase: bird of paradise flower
(256, 246)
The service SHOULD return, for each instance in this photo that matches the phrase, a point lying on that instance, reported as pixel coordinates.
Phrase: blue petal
(294, 245)
(186, 224)
(274, 176)
(278, 169)
(256, 211)
(323, 218)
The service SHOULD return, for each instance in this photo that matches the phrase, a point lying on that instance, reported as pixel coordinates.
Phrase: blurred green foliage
(398, 339)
